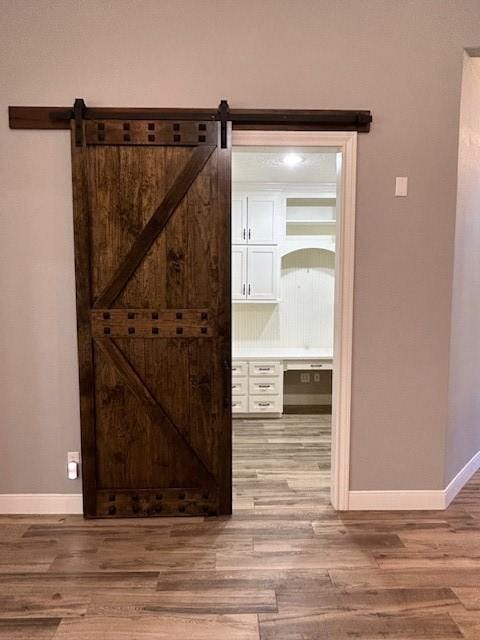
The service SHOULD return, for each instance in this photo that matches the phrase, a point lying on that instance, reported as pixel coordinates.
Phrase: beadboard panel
(304, 316)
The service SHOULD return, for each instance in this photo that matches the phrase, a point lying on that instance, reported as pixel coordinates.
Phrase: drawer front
(239, 369)
(240, 404)
(239, 387)
(265, 404)
(309, 365)
(265, 386)
(265, 368)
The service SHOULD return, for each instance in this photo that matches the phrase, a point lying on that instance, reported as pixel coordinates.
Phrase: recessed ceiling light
(292, 159)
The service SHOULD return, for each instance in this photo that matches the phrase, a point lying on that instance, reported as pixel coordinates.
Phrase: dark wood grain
(294, 119)
(154, 226)
(81, 228)
(143, 394)
(153, 238)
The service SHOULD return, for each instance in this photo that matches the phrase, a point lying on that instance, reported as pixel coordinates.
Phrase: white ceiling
(265, 164)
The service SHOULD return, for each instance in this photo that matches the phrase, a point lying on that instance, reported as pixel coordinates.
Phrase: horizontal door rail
(317, 119)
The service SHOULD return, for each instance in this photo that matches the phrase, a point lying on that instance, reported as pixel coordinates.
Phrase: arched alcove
(307, 285)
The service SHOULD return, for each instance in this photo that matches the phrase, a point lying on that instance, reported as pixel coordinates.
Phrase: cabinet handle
(263, 404)
(244, 233)
(249, 233)
(249, 289)
(312, 366)
(264, 368)
(264, 386)
(243, 289)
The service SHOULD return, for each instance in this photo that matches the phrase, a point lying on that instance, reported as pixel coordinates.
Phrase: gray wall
(463, 435)
(401, 59)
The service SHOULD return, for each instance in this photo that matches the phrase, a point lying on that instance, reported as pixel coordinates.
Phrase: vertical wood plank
(81, 227)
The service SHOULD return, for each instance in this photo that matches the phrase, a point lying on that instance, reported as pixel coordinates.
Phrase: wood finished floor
(284, 567)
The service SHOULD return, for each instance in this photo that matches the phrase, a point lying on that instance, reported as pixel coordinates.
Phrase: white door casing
(346, 145)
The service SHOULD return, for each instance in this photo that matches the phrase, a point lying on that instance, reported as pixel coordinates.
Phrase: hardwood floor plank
(222, 600)
(28, 629)
(366, 626)
(330, 601)
(161, 627)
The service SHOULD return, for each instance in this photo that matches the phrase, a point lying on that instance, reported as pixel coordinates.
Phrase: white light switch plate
(401, 186)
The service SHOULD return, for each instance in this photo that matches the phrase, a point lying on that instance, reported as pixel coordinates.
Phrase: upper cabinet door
(239, 273)
(262, 272)
(239, 219)
(263, 215)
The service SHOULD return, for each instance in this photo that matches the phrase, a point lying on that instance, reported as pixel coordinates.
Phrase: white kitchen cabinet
(257, 387)
(262, 273)
(239, 369)
(255, 218)
(239, 272)
(265, 404)
(255, 273)
(262, 219)
(239, 219)
(239, 386)
(240, 404)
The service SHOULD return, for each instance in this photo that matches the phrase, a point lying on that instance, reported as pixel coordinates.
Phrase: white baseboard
(395, 500)
(461, 479)
(40, 503)
(413, 500)
(71, 503)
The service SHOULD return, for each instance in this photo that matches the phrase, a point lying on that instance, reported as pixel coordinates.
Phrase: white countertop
(314, 353)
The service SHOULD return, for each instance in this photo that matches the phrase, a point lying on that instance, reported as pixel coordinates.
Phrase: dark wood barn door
(152, 250)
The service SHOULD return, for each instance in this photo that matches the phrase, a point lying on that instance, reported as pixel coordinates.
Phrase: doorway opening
(292, 290)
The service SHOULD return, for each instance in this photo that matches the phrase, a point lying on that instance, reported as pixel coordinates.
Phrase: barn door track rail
(263, 119)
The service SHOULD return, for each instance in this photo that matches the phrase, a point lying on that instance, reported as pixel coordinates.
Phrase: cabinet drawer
(240, 404)
(265, 404)
(239, 369)
(265, 386)
(239, 387)
(265, 368)
(309, 365)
